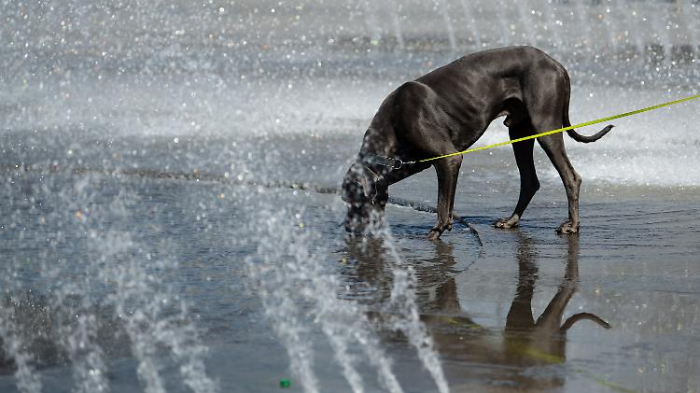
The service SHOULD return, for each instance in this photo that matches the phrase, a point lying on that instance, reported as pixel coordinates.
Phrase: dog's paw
(506, 223)
(434, 234)
(568, 227)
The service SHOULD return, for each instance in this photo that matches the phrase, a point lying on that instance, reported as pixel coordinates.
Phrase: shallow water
(162, 227)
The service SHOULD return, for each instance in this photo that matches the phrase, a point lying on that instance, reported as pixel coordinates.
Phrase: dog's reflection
(524, 342)
(543, 340)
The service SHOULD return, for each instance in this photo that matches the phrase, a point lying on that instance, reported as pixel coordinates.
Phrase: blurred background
(57, 38)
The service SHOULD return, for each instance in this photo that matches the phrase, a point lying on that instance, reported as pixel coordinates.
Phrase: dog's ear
(367, 183)
(359, 181)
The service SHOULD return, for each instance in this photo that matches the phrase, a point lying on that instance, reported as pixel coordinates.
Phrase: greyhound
(446, 111)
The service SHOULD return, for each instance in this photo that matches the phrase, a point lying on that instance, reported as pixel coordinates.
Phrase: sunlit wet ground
(165, 181)
(505, 315)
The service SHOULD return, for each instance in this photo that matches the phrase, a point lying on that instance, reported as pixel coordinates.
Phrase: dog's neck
(376, 160)
(378, 166)
(379, 154)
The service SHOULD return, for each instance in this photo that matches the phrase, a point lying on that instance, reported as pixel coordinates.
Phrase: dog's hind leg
(529, 184)
(447, 173)
(553, 145)
(546, 100)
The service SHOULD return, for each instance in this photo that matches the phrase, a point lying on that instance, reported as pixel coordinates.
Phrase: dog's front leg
(447, 173)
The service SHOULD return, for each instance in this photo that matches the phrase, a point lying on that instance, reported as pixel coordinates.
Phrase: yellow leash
(588, 123)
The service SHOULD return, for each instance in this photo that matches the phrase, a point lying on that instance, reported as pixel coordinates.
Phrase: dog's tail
(572, 133)
(581, 316)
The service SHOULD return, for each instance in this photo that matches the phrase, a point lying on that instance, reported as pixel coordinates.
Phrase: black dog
(446, 111)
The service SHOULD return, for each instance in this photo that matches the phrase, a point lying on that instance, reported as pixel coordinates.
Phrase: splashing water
(406, 317)
(293, 285)
(149, 318)
(78, 336)
(120, 290)
(248, 89)
(298, 292)
(28, 381)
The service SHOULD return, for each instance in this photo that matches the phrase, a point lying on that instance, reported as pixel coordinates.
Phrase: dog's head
(365, 194)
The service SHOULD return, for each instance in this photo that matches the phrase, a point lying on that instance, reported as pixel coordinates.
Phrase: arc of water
(288, 275)
(690, 13)
(526, 20)
(140, 299)
(371, 23)
(693, 24)
(78, 329)
(612, 21)
(403, 299)
(555, 28)
(28, 381)
(505, 30)
(659, 20)
(336, 318)
(473, 25)
(137, 321)
(396, 23)
(86, 356)
(636, 37)
(292, 332)
(77, 325)
(584, 24)
(444, 9)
